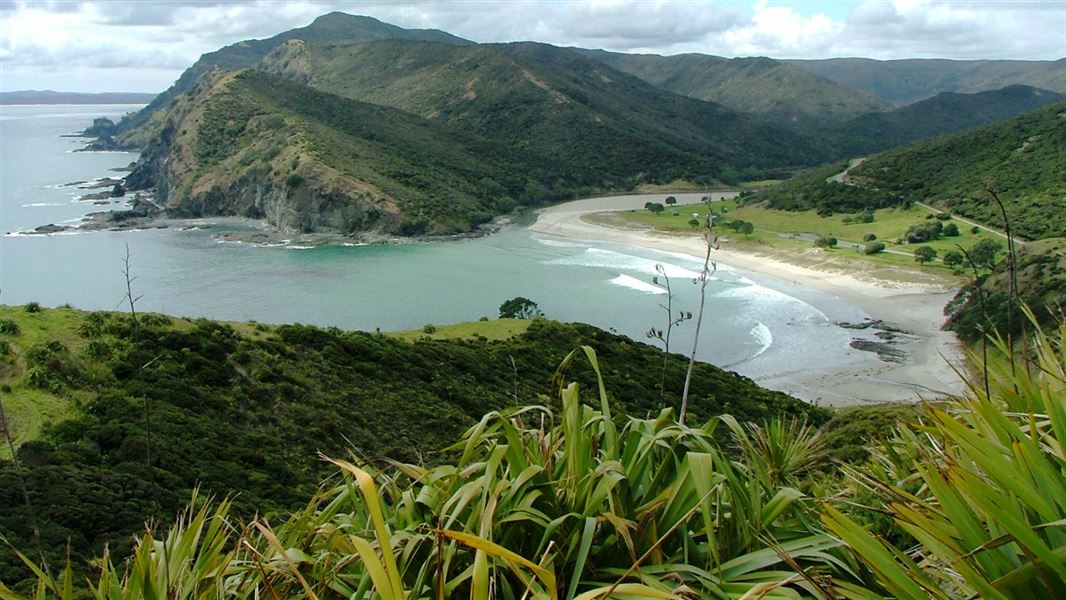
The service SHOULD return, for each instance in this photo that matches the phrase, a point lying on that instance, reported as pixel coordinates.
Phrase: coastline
(916, 310)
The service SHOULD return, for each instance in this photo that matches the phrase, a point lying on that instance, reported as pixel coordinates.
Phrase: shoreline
(916, 310)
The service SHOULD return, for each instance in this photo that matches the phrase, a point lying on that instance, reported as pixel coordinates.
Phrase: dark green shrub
(9, 327)
(874, 248)
(869, 237)
(32, 307)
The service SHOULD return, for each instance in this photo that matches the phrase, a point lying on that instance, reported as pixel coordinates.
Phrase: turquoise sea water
(757, 325)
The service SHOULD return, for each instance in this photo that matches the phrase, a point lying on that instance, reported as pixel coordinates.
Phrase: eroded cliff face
(218, 157)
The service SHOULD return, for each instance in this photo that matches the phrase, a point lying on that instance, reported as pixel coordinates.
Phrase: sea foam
(640, 285)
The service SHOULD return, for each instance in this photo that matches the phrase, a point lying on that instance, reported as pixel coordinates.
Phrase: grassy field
(790, 230)
(28, 409)
(494, 330)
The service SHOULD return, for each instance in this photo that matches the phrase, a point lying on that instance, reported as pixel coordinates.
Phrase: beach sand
(917, 309)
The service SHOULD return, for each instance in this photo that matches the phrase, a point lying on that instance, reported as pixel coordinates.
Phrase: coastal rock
(50, 228)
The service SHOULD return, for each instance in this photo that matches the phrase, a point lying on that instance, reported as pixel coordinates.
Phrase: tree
(747, 228)
(869, 237)
(924, 254)
(693, 222)
(656, 207)
(985, 252)
(826, 242)
(671, 200)
(953, 258)
(520, 308)
(951, 230)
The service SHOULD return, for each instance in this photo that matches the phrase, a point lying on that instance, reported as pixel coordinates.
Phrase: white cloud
(129, 45)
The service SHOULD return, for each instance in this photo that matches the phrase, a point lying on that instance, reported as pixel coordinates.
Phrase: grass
(29, 409)
(790, 231)
(493, 330)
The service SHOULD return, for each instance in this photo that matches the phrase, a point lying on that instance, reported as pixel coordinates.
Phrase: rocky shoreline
(144, 213)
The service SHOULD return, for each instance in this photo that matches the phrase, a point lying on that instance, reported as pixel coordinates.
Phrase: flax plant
(985, 494)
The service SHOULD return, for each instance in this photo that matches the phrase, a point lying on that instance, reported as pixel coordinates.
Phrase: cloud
(150, 42)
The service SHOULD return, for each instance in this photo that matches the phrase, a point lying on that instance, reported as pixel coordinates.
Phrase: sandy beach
(916, 309)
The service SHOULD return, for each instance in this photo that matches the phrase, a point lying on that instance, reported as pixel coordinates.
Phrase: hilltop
(772, 89)
(330, 28)
(904, 81)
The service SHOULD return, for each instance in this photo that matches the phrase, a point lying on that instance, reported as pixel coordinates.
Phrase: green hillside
(769, 88)
(247, 408)
(595, 124)
(1023, 158)
(1041, 278)
(942, 114)
(335, 27)
(250, 144)
(905, 81)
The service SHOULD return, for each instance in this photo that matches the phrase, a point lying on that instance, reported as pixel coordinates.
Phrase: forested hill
(1023, 158)
(247, 408)
(250, 144)
(335, 27)
(773, 89)
(904, 81)
(942, 114)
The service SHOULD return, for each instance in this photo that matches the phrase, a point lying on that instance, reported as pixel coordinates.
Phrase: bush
(975, 229)
(953, 258)
(944, 216)
(32, 307)
(869, 237)
(429, 329)
(874, 248)
(826, 242)
(951, 230)
(294, 180)
(671, 200)
(9, 327)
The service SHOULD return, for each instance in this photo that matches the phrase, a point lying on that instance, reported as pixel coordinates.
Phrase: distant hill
(334, 27)
(944, 113)
(773, 89)
(904, 81)
(50, 97)
(596, 124)
(1023, 158)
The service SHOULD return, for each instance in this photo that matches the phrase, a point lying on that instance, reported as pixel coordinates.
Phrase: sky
(144, 45)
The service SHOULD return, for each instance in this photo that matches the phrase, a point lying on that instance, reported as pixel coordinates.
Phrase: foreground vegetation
(569, 500)
(116, 422)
